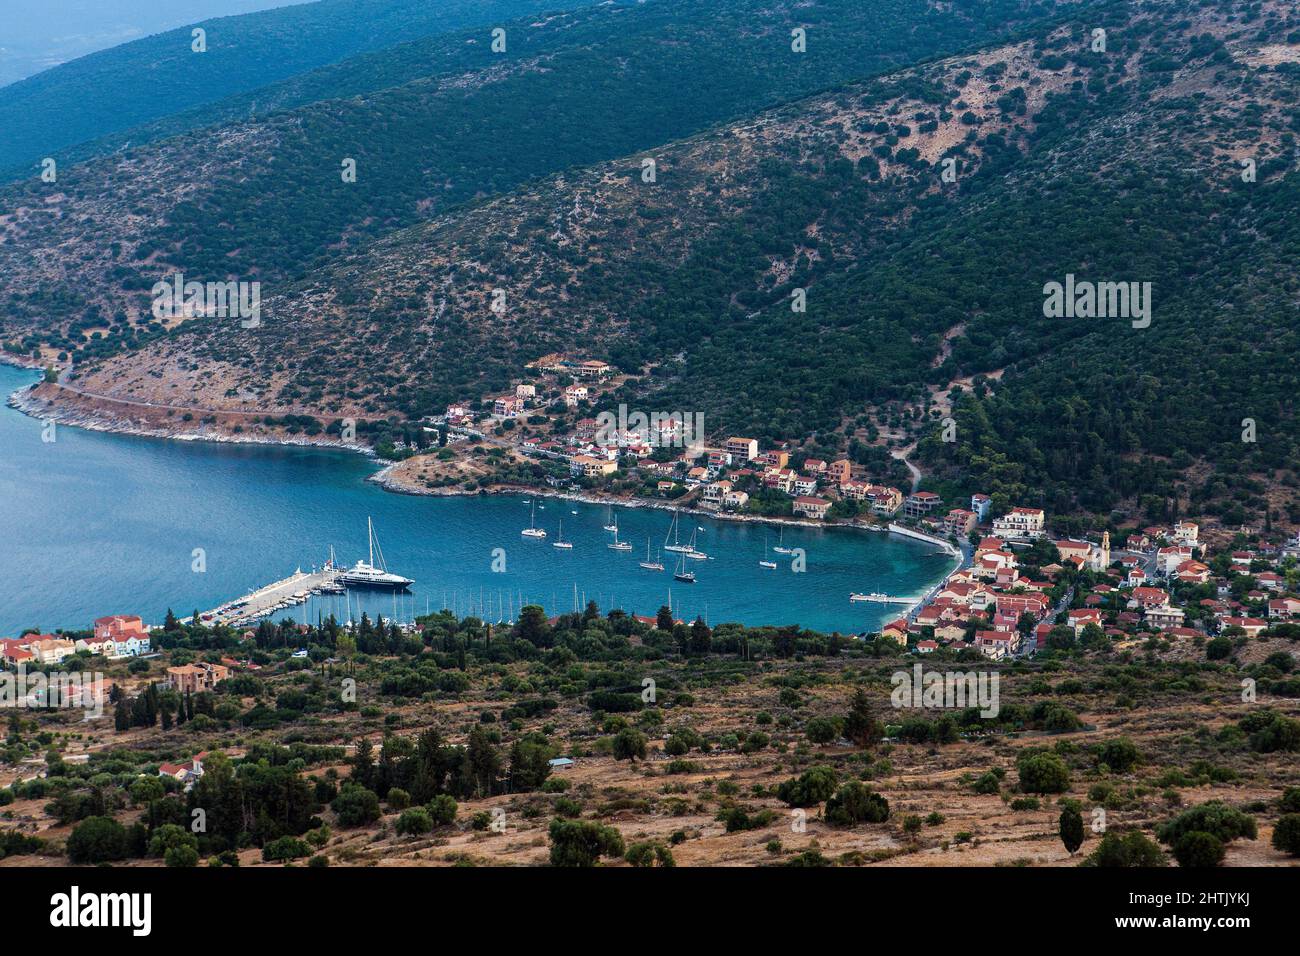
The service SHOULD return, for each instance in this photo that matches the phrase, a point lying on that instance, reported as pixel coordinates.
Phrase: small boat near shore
(780, 543)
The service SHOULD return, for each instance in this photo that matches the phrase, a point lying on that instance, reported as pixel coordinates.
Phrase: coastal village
(1017, 588)
(115, 638)
(1015, 591)
(1168, 595)
(661, 455)
(1165, 590)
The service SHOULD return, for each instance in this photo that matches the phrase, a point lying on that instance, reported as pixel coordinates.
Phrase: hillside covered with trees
(922, 185)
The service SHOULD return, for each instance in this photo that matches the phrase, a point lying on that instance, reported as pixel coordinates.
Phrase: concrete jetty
(291, 591)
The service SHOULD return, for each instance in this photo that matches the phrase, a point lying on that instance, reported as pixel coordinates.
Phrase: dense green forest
(420, 148)
(143, 81)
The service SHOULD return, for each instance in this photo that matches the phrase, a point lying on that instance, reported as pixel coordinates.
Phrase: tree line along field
(761, 746)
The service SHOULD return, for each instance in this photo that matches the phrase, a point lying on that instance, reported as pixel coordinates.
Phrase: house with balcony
(921, 503)
(811, 507)
(507, 406)
(804, 485)
(589, 466)
(839, 471)
(1164, 618)
(1020, 524)
(885, 501)
(195, 678)
(959, 522)
(714, 492)
(125, 632)
(742, 449)
(997, 645)
(735, 500)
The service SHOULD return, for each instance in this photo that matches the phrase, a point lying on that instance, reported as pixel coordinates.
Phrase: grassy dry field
(676, 801)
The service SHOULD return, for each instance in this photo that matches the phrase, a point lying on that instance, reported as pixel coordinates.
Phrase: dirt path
(901, 454)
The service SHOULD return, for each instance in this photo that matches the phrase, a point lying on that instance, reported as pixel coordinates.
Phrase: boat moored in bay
(366, 574)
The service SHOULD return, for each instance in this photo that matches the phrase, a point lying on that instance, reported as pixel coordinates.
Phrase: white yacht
(780, 543)
(672, 532)
(617, 545)
(532, 531)
(693, 552)
(366, 574)
(649, 565)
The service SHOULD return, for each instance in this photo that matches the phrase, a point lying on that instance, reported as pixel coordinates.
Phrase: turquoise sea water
(94, 524)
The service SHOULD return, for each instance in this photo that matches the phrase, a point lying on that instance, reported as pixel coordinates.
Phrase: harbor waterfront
(94, 523)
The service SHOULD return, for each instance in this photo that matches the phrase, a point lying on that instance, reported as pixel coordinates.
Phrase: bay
(95, 523)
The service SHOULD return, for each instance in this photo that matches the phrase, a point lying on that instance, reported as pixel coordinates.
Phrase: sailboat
(610, 523)
(766, 563)
(532, 531)
(691, 549)
(672, 532)
(780, 544)
(366, 574)
(647, 563)
(681, 574)
(559, 541)
(617, 545)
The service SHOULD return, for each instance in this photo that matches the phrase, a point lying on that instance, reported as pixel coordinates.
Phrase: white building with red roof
(1080, 618)
(1020, 523)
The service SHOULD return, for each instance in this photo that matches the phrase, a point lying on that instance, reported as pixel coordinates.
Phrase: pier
(292, 591)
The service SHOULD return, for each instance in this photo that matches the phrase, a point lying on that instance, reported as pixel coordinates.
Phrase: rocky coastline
(387, 477)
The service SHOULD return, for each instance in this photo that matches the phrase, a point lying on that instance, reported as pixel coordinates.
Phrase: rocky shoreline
(24, 401)
(7, 358)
